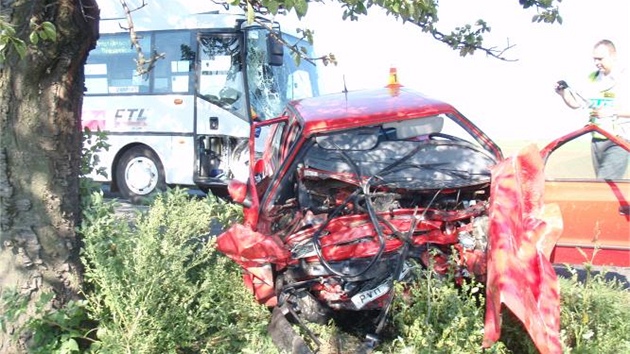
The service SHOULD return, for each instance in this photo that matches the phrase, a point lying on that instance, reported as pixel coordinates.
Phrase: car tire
(139, 173)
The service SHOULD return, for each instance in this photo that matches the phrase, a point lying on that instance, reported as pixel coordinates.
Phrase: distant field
(510, 147)
(572, 160)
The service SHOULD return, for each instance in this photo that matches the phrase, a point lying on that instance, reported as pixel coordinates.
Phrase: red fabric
(523, 231)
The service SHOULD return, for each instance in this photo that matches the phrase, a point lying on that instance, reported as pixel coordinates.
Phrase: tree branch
(143, 65)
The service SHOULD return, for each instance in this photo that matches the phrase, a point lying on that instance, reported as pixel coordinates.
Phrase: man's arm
(568, 96)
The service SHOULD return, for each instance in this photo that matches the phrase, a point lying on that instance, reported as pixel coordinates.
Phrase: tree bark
(40, 153)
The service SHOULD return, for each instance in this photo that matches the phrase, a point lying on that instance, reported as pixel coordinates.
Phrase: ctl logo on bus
(133, 117)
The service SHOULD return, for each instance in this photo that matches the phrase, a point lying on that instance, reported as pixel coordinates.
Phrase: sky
(509, 100)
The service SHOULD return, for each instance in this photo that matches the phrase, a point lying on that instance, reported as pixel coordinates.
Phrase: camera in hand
(561, 85)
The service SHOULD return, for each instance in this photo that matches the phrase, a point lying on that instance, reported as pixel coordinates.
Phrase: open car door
(596, 212)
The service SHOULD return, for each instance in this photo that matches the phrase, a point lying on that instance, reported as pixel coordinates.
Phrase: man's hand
(561, 86)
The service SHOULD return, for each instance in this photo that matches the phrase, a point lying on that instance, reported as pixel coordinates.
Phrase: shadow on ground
(622, 275)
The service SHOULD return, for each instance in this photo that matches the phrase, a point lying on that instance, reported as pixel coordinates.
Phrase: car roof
(366, 107)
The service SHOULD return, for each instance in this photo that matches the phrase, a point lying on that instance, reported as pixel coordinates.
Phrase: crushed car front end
(375, 183)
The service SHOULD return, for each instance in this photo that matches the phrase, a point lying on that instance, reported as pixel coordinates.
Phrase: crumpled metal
(523, 232)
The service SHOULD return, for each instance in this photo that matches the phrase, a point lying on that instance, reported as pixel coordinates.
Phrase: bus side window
(111, 66)
(172, 74)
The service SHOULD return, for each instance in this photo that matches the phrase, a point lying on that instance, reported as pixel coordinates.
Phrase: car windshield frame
(467, 145)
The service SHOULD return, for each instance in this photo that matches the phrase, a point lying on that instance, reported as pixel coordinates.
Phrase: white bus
(187, 121)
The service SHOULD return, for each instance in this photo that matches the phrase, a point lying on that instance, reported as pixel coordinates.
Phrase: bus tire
(139, 173)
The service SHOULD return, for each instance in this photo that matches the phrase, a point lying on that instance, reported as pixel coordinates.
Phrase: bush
(435, 315)
(158, 285)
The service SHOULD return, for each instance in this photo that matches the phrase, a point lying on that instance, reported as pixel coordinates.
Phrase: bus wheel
(139, 173)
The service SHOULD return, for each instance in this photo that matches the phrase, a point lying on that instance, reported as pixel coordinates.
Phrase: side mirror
(275, 50)
(238, 193)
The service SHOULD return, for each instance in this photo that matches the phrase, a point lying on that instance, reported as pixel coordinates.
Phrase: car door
(595, 212)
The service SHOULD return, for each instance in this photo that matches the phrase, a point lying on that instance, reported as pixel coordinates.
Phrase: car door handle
(624, 210)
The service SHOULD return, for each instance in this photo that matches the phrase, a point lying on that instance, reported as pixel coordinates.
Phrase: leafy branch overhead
(467, 39)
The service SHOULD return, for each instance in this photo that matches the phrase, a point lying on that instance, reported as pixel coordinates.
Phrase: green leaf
(20, 47)
(273, 6)
(48, 26)
(50, 30)
(297, 59)
(33, 37)
(45, 298)
(9, 31)
(69, 346)
(301, 7)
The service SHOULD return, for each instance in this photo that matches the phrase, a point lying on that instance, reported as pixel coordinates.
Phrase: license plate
(361, 299)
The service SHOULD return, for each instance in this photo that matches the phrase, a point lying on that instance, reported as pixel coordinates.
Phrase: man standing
(607, 96)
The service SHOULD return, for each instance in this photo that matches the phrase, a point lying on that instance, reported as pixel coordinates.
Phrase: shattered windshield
(271, 87)
(415, 154)
(422, 162)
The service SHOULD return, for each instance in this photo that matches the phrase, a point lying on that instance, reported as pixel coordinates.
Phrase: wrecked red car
(350, 187)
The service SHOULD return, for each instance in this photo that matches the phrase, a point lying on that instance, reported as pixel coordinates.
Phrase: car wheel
(139, 173)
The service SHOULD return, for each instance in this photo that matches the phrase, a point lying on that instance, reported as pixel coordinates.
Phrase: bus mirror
(275, 50)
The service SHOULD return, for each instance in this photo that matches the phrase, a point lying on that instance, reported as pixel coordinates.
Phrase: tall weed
(435, 315)
(158, 285)
(595, 314)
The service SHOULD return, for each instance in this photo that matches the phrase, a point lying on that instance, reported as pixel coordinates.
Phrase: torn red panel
(522, 233)
(254, 252)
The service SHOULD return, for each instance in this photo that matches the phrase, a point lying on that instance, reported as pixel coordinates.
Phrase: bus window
(221, 72)
(111, 66)
(172, 74)
(270, 86)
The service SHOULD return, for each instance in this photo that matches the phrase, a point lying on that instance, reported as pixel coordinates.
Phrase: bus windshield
(223, 80)
(271, 87)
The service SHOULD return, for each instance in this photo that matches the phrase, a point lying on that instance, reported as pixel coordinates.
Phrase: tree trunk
(40, 152)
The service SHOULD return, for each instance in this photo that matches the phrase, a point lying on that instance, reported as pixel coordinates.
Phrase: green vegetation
(154, 283)
(157, 284)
